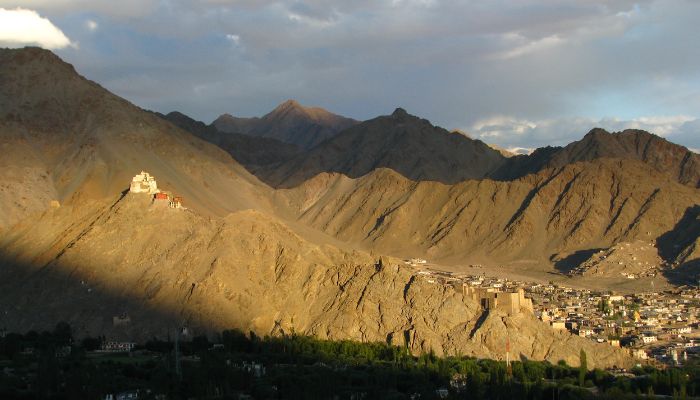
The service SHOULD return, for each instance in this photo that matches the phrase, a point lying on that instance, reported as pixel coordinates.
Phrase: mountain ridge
(289, 122)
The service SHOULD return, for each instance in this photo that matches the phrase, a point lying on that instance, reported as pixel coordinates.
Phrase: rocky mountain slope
(68, 140)
(548, 215)
(404, 143)
(165, 268)
(679, 163)
(250, 151)
(420, 151)
(290, 122)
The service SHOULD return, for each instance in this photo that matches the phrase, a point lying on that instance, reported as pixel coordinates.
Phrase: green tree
(583, 368)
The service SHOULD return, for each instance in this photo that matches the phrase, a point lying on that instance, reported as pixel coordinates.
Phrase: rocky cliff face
(290, 122)
(166, 268)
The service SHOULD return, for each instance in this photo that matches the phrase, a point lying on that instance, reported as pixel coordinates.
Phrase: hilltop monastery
(145, 183)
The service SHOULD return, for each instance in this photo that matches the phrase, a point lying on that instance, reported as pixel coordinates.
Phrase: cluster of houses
(660, 327)
(653, 325)
(146, 183)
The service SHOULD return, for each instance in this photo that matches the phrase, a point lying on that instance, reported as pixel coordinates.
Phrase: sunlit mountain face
(177, 210)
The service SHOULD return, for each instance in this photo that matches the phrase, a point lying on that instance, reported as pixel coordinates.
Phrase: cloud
(235, 39)
(510, 132)
(21, 27)
(529, 46)
(91, 25)
(457, 63)
(116, 9)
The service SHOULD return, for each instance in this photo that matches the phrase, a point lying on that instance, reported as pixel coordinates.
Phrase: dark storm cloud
(515, 72)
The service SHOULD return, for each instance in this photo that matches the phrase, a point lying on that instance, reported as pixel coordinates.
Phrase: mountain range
(286, 220)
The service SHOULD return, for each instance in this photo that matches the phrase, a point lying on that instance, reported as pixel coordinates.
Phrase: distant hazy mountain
(290, 122)
(420, 151)
(404, 143)
(251, 151)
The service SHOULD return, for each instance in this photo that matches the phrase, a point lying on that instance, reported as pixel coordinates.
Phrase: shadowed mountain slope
(250, 151)
(290, 122)
(404, 143)
(420, 151)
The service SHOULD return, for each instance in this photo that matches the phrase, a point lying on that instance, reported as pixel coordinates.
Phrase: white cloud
(310, 21)
(528, 47)
(235, 39)
(21, 27)
(514, 133)
(117, 9)
(91, 25)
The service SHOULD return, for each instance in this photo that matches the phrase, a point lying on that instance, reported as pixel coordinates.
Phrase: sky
(516, 73)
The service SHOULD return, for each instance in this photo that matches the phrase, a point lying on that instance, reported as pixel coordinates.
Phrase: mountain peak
(46, 59)
(596, 132)
(287, 106)
(399, 113)
(289, 122)
(291, 103)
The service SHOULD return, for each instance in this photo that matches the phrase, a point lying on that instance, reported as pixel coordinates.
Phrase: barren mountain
(679, 163)
(76, 247)
(252, 152)
(422, 152)
(164, 268)
(69, 140)
(551, 214)
(404, 143)
(290, 122)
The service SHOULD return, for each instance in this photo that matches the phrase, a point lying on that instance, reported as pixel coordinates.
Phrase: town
(659, 328)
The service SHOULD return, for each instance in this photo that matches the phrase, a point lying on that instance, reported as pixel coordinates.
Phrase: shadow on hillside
(573, 260)
(37, 298)
(673, 243)
(441, 156)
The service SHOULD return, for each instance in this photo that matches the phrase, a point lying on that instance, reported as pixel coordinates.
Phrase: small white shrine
(144, 183)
